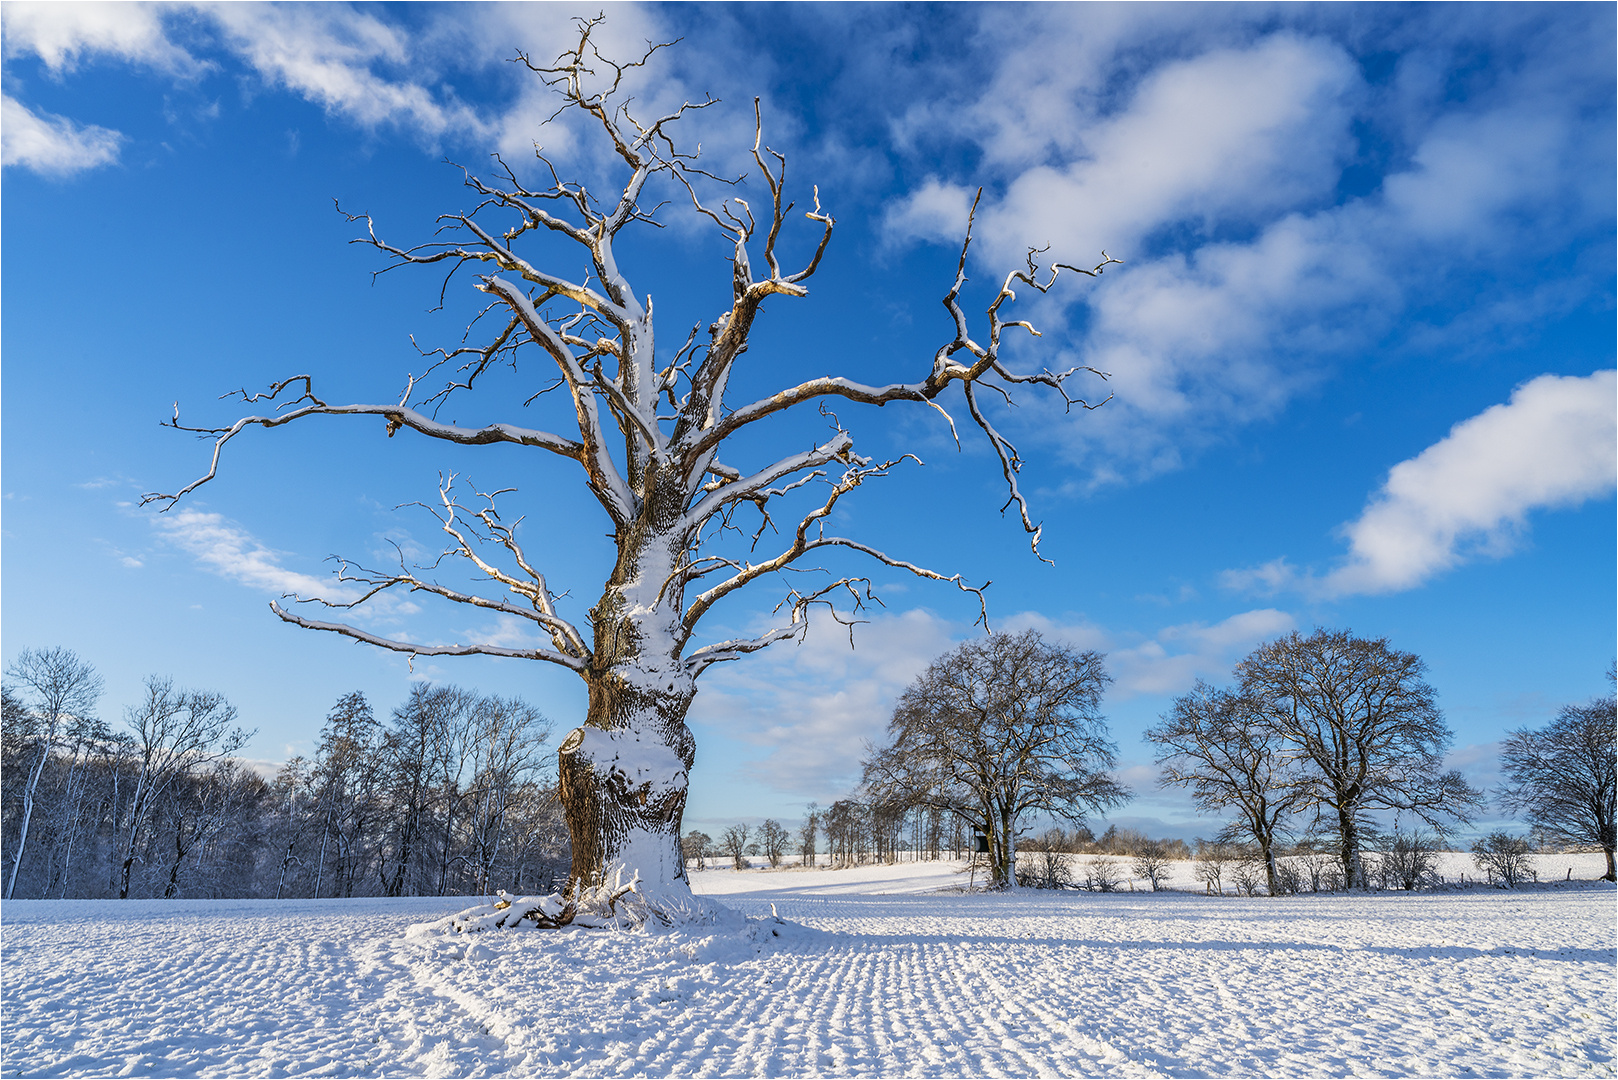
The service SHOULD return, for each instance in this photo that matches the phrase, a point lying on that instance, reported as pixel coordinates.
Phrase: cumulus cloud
(1554, 444)
(1214, 163)
(1228, 134)
(52, 145)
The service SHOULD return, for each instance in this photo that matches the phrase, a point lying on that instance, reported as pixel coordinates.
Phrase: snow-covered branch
(809, 536)
(397, 416)
(417, 649)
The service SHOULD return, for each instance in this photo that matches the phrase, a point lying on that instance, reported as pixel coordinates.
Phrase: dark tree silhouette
(1216, 743)
(1564, 777)
(998, 727)
(1365, 728)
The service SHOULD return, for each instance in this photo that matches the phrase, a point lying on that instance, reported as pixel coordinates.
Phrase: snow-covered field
(877, 976)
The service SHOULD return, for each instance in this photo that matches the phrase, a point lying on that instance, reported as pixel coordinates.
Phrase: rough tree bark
(658, 475)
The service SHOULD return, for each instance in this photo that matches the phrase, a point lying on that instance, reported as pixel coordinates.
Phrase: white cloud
(812, 706)
(1214, 174)
(326, 53)
(61, 34)
(368, 69)
(1172, 659)
(1227, 134)
(331, 54)
(1554, 444)
(227, 549)
(52, 145)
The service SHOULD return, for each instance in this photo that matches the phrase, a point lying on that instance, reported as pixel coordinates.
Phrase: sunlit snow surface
(875, 978)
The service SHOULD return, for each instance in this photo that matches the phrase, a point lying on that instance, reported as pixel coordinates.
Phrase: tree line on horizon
(453, 793)
(1317, 740)
(1322, 738)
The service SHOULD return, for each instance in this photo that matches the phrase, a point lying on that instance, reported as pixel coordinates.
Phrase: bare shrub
(1152, 863)
(1050, 868)
(1407, 861)
(1321, 867)
(1101, 874)
(1504, 858)
(1289, 877)
(1213, 861)
(1249, 873)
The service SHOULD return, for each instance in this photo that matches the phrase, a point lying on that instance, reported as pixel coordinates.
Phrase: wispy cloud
(813, 705)
(331, 53)
(230, 551)
(356, 64)
(63, 35)
(1554, 444)
(1168, 660)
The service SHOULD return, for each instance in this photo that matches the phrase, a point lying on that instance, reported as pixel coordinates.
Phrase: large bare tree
(1365, 729)
(652, 430)
(994, 729)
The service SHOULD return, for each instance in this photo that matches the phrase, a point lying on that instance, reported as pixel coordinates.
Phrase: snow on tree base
(619, 906)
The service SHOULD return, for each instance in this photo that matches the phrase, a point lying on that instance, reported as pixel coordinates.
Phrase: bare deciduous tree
(695, 846)
(177, 732)
(734, 842)
(1153, 863)
(349, 795)
(996, 728)
(1216, 743)
(1564, 777)
(509, 736)
(772, 840)
(1213, 858)
(807, 855)
(658, 442)
(60, 688)
(1365, 728)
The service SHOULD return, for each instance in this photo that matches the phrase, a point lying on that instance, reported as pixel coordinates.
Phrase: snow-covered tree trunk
(623, 774)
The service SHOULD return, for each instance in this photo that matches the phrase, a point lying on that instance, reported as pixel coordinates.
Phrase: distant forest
(452, 794)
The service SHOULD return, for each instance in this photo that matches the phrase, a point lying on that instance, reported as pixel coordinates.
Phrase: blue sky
(1361, 346)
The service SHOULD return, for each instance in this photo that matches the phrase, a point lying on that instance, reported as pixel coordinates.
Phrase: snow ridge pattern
(856, 983)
